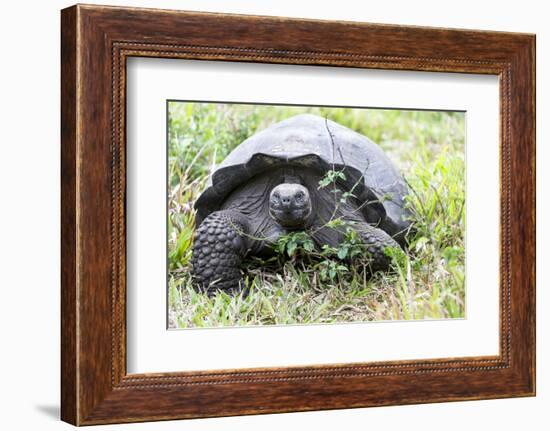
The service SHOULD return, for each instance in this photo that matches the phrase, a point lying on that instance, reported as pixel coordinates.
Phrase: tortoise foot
(218, 251)
(376, 242)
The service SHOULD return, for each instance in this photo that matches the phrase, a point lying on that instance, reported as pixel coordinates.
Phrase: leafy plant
(331, 177)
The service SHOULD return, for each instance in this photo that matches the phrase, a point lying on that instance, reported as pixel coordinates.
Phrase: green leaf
(343, 252)
(421, 243)
(335, 222)
(309, 246)
(291, 248)
(331, 177)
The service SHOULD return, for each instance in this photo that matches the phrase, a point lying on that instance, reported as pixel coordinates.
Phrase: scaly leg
(376, 241)
(218, 251)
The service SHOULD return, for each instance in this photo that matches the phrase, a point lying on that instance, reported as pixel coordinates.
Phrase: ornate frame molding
(96, 41)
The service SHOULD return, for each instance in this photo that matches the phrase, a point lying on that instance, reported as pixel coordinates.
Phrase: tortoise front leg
(218, 250)
(376, 241)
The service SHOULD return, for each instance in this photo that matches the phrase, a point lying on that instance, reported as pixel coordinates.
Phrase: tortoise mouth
(292, 218)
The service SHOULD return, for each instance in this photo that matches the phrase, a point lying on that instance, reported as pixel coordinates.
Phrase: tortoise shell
(315, 142)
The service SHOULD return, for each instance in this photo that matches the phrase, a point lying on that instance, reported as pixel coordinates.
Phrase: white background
(29, 224)
(151, 348)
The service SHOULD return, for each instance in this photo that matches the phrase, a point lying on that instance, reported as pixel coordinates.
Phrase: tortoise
(272, 184)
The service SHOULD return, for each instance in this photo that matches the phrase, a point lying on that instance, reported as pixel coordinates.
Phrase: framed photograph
(264, 215)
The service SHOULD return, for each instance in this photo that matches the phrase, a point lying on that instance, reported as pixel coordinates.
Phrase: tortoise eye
(299, 196)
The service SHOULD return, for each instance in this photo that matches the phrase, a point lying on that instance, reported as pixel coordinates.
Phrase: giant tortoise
(272, 184)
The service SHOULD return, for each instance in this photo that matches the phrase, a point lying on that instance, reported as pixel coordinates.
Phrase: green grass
(427, 282)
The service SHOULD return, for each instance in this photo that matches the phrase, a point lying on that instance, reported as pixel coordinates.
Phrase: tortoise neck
(290, 175)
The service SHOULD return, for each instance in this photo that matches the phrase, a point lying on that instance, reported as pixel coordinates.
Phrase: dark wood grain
(69, 398)
(96, 41)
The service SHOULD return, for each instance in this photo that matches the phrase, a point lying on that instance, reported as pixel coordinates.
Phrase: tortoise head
(290, 205)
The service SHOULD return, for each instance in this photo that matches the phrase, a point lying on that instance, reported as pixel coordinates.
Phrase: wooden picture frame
(95, 43)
